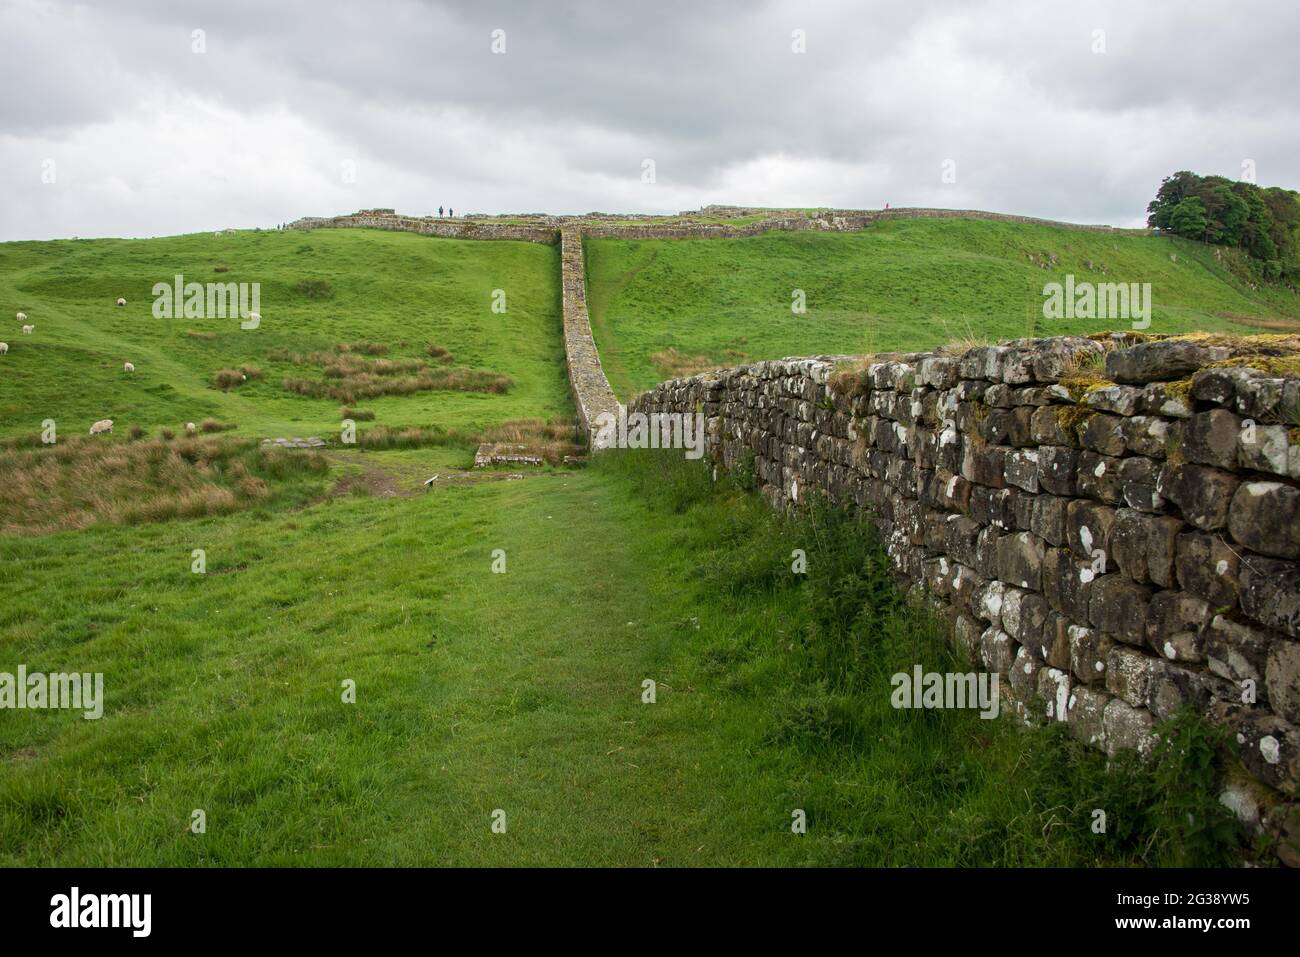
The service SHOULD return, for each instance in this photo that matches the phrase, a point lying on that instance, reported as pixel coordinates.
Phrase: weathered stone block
(1174, 623)
(1211, 438)
(1270, 593)
(1282, 677)
(1045, 428)
(1119, 606)
(1160, 361)
(1023, 676)
(1054, 689)
(997, 650)
(1265, 517)
(1237, 652)
(1057, 467)
(1099, 477)
(1104, 434)
(1128, 728)
(1087, 710)
(1207, 567)
(1089, 649)
(1067, 584)
(1145, 435)
(1144, 546)
(1047, 518)
(1088, 527)
(1119, 399)
(1139, 479)
(1022, 469)
(1020, 560)
(1128, 674)
(1173, 686)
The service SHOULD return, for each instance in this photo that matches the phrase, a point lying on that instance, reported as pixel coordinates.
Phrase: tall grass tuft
(84, 481)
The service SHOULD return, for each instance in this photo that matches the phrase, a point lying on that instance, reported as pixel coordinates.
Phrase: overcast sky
(113, 124)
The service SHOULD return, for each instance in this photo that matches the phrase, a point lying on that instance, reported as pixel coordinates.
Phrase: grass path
(475, 691)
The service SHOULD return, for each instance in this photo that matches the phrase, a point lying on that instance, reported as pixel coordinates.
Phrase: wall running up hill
(1117, 547)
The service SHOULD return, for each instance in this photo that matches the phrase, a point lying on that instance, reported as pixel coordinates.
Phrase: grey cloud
(1036, 122)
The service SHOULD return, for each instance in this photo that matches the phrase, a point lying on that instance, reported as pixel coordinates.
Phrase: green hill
(396, 292)
(900, 285)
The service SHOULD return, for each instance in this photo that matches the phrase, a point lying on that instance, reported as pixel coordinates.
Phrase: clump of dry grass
(349, 377)
(369, 348)
(551, 440)
(359, 415)
(213, 425)
(440, 353)
(850, 378)
(674, 364)
(286, 355)
(228, 379)
(84, 481)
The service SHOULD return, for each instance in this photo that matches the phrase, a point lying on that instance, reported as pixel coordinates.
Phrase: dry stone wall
(592, 394)
(1115, 542)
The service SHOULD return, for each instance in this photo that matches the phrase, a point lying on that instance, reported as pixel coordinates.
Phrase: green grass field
(901, 285)
(520, 691)
(397, 289)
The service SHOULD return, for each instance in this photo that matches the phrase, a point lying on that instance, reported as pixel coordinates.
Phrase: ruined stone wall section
(1116, 549)
(591, 391)
(446, 228)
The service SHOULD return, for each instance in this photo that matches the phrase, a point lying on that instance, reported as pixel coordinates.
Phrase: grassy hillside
(901, 285)
(397, 290)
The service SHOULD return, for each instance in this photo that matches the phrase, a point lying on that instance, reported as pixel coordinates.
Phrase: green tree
(1188, 218)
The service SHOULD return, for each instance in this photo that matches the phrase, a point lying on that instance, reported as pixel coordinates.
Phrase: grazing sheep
(190, 428)
(121, 301)
(27, 330)
(22, 317)
(103, 425)
(4, 347)
(129, 367)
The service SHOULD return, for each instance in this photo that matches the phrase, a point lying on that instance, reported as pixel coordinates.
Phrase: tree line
(1263, 222)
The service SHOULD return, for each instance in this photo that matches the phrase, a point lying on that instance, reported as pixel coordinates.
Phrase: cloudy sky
(119, 119)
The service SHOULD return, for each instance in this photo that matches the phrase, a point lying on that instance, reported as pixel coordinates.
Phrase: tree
(1188, 218)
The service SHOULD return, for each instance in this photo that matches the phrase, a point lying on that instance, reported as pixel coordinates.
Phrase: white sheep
(103, 425)
(190, 428)
(4, 347)
(27, 330)
(121, 301)
(129, 367)
(22, 317)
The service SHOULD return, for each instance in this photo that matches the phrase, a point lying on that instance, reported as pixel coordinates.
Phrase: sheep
(121, 301)
(129, 367)
(4, 347)
(103, 425)
(22, 317)
(27, 330)
(190, 428)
